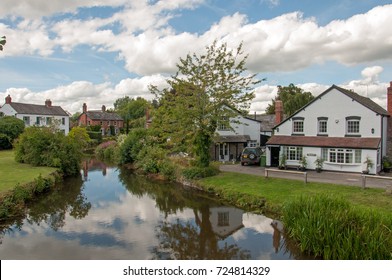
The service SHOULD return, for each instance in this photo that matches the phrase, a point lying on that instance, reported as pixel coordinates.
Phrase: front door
(224, 152)
(275, 156)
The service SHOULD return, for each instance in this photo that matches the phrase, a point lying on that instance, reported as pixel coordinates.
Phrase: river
(110, 213)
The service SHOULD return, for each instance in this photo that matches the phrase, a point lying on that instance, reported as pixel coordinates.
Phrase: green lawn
(12, 173)
(278, 191)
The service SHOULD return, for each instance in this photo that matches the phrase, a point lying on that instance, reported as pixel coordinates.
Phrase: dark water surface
(110, 213)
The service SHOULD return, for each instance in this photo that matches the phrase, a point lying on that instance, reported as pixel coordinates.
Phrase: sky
(96, 51)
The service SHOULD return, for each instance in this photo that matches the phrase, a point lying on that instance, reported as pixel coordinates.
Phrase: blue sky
(96, 51)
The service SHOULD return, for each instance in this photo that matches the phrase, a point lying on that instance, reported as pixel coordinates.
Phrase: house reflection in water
(91, 165)
(225, 220)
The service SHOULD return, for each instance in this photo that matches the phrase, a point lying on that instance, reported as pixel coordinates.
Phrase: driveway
(351, 179)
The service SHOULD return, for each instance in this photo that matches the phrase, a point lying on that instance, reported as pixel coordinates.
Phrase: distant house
(339, 126)
(243, 132)
(108, 121)
(38, 115)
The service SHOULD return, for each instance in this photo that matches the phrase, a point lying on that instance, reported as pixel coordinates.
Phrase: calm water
(110, 213)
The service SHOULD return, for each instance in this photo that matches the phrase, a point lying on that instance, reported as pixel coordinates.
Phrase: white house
(39, 115)
(243, 132)
(339, 126)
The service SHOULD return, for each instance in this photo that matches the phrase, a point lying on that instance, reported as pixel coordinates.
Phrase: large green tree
(293, 98)
(11, 126)
(207, 90)
(132, 111)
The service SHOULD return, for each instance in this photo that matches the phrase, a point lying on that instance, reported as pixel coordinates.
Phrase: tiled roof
(267, 122)
(33, 109)
(323, 141)
(106, 116)
(233, 139)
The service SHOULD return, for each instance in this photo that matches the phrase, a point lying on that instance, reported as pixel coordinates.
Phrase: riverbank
(20, 183)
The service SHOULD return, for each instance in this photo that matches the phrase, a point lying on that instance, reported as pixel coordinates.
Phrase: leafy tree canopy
(293, 98)
(132, 111)
(2, 42)
(203, 93)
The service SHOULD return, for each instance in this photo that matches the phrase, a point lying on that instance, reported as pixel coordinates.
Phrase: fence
(374, 177)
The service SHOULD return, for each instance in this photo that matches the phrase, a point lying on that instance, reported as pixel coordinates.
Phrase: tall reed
(331, 228)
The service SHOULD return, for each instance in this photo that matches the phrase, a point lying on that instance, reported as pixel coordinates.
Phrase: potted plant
(319, 164)
(282, 162)
(386, 164)
(369, 164)
(303, 163)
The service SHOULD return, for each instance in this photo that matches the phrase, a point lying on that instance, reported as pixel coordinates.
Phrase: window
(344, 156)
(223, 219)
(322, 125)
(63, 121)
(324, 154)
(222, 126)
(26, 120)
(293, 153)
(298, 125)
(38, 121)
(252, 143)
(48, 120)
(352, 125)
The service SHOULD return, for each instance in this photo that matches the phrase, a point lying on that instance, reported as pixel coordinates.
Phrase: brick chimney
(8, 99)
(48, 103)
(103, 108)
(278, 111)
(389, 99)
(84, 108)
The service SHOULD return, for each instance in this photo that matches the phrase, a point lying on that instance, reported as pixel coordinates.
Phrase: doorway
(275, 151)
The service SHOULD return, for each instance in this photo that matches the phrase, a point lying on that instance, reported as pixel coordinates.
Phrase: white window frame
(293, 152)
(322, 123)
(353, 125)
(342, 156)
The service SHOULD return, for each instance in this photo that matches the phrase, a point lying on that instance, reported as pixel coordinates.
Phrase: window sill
(344, 164)
(352, 135)
(297, 134)
(322, 134)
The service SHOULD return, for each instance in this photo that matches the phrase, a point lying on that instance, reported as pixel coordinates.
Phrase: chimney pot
(103, 108)
(48, 103)
(84, 107)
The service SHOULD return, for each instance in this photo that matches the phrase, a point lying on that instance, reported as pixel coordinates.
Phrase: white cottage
(339, 126)
(243, 132)
(39, 115)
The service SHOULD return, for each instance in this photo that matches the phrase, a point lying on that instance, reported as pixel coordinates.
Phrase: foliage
(40, 146)
(199, 172)
(11, 126)
(132, 145)
(132, 111)
(5, 142)
(293, 98)
(108, 151)
(303, 162)
(369, 163)
(80, 136)
(319, 163)
(2, 42)
(331, 228)
(95, 135)
(208, 89)
(150, 158)
(386, 162)
(282, 161)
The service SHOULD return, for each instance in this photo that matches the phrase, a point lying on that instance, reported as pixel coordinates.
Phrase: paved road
(352, 179)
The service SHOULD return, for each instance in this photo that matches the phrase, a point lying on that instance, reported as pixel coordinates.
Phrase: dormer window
(298, 125)
(353, 126)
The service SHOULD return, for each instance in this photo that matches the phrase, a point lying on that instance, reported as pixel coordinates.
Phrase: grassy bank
(276, 192)
(328, 221)
(13, 173)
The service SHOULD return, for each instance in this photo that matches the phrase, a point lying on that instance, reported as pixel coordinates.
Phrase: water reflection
(110, 213)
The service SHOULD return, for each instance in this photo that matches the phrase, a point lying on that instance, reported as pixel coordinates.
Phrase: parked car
(251, 155)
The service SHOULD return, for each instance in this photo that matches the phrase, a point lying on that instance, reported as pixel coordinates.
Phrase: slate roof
(105, 116)
(267, 122)
(33, 109)
(327, 142)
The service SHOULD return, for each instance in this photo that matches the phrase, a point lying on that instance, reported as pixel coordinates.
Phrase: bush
(5, 142)
(108, 151)
(200, 172)
(12, 127)
(331, 228)
(149, 159)
(132, 145)
(95, 135)
(40, 146)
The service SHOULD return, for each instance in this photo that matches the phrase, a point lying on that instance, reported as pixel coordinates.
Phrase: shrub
(80, 136)
(331, 228)
(12, 127)
(150, 157)
(132, 145)
(108, 151)
(196, 172)
(95, 135)
(40, 146)
(167, 169)
(5, 142)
